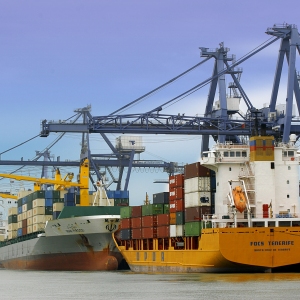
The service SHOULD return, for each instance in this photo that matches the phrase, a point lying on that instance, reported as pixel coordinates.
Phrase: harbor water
(128, 285)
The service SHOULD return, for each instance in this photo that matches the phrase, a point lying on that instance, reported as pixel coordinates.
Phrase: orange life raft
(239, 199)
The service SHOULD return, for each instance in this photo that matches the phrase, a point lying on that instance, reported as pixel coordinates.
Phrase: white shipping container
(20, 224)
(38, 202)
(24, 215)
(197, 199)
(41, 219)
(197, 184)
(62, 194)
(29, 228)
(12, 234)
(24, 207)
(20, 217)
(22, 194)
(176, 230)
(29, 221)
(58, 206)
(38, 227)
(12, 211)
(40, 210)
(29, 213)
(12, 226)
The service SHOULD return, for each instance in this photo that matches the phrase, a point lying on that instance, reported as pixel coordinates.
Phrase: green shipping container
(79, 211)
(125, 212)
(48, 210)
(29, 205)
(166, 208)
(180, 218)
(56, 194)
(37, 195)
(20, 202)
(12, 219)
(58, 200)
(152, 209)
(192, 228)
(124, 201)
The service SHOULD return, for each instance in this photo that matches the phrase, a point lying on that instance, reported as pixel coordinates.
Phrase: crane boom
(3, 195)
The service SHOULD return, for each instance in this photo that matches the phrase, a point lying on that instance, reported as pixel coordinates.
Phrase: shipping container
(125, 212)
(29, 221)
(163, 220)
(149, 221)
(166, 208)
(29, 205)
(12, 234)
(196, 213)
(20, 202)
(176, 181)
(197, 184)
(197, 199)
(180, 218)
(20, 217)
(20, 210)
(13, 211)
(176, 193)
(24, 207)
(195, 170)
(38, 202)
(56, 214)
(120, 202)
(24, 215)
(19, 224)
(29, 213)
(125, 234)
(38, 195)
(149, 232)
(136, 211)
(172, 218)
(19, 232)
(176, 205)
(24, 200)
(161, 198)
(125, 223)
(48, 202)
(163, 231)
(38, 227)
(24, 223)
(136, 222)
(58, 206)
(192, 228)
(29, 229)
(136, 233)
(152, 209)
(58, 200)
(41, 219)
(12, 219)
(12, 226)
(176, 230)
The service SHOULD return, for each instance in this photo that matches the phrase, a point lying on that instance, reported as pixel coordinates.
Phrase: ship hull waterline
(225, 250)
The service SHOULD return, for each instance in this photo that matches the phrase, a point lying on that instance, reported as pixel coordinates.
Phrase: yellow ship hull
(254, 249)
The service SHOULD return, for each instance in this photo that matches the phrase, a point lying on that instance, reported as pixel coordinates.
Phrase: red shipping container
(163, 231)
(193, 214)
(24, 224)
(136, 233)
(125, 223)
(176, 193)
(179, 205)
(149, 232)
(136, 211)
(136, 222)
(176, 181)
(163, 219)
(195, 170)
(149, 221)
(172, 206)
(172, 218)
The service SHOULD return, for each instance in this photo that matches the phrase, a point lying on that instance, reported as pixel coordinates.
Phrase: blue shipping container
(48, 202)
(49, 194)
(56, 214)
(24, 200)
(19, 232)
(19, 210)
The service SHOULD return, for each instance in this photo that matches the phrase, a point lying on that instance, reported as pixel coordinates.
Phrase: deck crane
(82, 184)
(217, 123)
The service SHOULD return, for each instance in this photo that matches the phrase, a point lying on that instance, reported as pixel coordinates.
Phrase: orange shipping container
(149, 232)
(172, 218)
(163, 220)
(176, 193)
(149, 221)
(163, 231)
(136, 233)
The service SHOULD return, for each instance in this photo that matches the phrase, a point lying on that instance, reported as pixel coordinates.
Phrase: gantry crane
(217, 122)
(59, 183)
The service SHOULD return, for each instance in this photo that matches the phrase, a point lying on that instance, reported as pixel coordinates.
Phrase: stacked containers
(119, 198)
(177, 205)
(12, 222)
(197, 197)
(125, 232)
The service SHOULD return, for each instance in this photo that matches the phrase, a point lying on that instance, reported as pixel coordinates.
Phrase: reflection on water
(129, 285)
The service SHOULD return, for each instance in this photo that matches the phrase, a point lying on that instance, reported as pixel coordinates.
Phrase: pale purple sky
(59, 55)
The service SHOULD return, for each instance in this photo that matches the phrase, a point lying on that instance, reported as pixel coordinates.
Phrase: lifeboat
(239, 199)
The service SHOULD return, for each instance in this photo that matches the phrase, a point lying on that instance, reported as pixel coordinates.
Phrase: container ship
(62, 229)
(236, 210)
